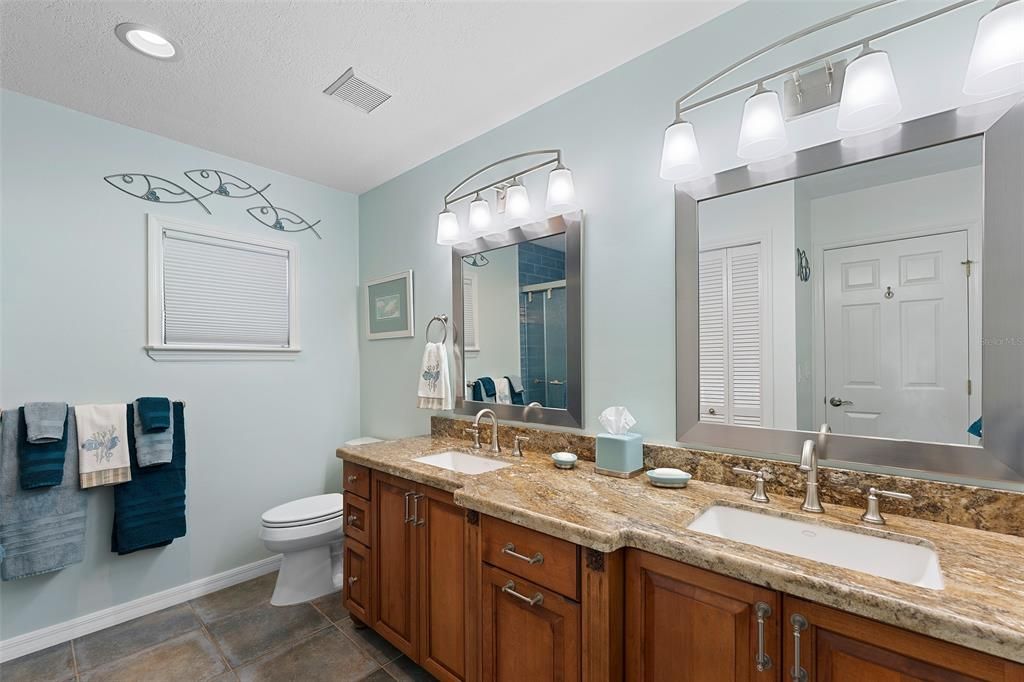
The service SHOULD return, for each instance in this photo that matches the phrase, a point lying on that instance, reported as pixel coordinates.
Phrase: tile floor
(231, 635)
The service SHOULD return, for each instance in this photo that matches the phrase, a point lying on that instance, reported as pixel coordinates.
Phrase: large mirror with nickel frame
(518, 311)
(876, 287)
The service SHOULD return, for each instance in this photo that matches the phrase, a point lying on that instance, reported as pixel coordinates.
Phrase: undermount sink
(886, 558)
(462, 462)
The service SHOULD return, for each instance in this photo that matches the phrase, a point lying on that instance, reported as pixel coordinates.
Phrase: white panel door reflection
(896, 339)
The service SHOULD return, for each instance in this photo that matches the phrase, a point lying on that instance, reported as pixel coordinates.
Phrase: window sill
(216, 354)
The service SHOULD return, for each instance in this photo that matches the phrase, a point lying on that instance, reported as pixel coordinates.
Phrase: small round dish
(668, 478)
(564, 460)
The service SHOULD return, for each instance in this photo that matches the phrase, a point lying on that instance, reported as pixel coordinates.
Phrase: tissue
(616, 420)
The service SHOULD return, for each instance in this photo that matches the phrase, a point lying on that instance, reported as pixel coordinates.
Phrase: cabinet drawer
(357, 579)
(539, 558)
(357, 519)
(356, 479)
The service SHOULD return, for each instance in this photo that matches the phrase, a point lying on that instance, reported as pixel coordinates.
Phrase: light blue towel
(41, 530)
(151, 448)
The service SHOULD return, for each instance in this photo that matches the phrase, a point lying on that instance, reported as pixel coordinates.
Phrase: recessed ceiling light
(148, 41)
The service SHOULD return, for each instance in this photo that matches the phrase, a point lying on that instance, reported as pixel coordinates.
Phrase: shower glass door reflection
(542, 343)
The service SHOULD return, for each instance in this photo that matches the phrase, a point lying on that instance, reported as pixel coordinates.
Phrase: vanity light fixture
(479, 215)
(869, 97)
(561, 191)
(147, 40)
(763, 130)
(996, 65)
(448, 228)
(517, 201)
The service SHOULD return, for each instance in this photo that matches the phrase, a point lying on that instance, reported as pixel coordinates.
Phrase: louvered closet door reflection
(731, 335)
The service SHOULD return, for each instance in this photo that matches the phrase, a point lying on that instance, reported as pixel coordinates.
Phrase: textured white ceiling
(251, 80)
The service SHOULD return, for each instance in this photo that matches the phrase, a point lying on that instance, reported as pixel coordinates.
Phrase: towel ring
(443, 319)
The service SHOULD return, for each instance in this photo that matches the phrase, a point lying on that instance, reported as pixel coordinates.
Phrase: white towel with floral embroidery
(102, 445)
(435, 387)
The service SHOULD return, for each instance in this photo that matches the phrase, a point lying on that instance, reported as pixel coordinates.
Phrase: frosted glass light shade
(870, 98)
(763, 130)
(997, 58)
(479, 215)
(680, 156)
(447, 228)
(561, 191)
(517, 202)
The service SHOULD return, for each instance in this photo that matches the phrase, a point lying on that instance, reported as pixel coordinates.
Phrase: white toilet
(308, 532)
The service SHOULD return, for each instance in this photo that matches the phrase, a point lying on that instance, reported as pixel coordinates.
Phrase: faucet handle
(872, 514)
(476, 437)
(517, 442)
(759, 495)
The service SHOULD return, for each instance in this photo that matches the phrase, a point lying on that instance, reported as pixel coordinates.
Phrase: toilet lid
(305, 510)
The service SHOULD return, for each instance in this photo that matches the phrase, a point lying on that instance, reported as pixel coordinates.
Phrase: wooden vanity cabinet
(685, 623)
(835, 646)
(419, 563)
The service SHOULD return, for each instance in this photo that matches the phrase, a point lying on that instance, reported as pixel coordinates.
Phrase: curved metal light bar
(682, 107)
(555, 158)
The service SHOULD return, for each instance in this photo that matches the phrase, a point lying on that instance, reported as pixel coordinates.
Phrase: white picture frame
(389, 307)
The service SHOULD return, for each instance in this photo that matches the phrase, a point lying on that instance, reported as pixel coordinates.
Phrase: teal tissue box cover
(620, 452)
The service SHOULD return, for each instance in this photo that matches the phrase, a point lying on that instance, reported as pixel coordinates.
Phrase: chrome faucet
(809, 464)
(487, 412)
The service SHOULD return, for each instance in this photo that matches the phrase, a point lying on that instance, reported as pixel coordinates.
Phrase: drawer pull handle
(416, 520)
(352, 478)
(408, 518)
(510, 589)
(352, 518)
(510, 550)
(763, 660)
(799, 623)
(352, 580)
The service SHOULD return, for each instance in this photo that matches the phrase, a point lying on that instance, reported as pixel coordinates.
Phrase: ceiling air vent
(357, 92)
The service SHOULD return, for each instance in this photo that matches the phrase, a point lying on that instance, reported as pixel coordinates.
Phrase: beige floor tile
(327, 656)
(53, 663)
(381, 649)
(236, 598)
(249, 634)
(189, 657)
(332, 606)
(125, 639)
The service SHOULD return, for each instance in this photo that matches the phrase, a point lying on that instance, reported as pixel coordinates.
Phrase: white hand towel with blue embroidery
(102, 445)
(435, 387)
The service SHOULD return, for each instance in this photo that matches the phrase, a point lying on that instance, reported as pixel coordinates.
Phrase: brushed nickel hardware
(711, 410)
(967, 266)
(759, 495)
(517, 445)
(510, 550)
(509, 588)
(872, 514)
(838, 402)
(352, 580)
(889, 293)
(487, 412)
(407, 517)
(352, 478)
(809, 464)
(416, 520)
(352, 518)
(443, 319)
(799, 623)
(762, 659)
(476, 437)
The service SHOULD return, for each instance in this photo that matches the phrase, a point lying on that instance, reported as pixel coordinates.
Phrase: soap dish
(668, 478)
(564, 460)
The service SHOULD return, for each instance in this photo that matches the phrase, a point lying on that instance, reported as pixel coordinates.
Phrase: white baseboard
(37, 640)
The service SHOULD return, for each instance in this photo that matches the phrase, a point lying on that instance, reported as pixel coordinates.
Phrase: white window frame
(474, 284)
(161, 351)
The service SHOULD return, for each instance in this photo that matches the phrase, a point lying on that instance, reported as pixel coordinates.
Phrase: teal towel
(152, 448)
(149, 510)
(41, 530)
(154, 414)
(40, 465)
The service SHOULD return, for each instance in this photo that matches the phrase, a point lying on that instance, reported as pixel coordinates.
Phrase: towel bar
(443, 319)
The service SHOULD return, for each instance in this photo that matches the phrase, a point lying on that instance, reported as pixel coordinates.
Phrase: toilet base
(308, 574)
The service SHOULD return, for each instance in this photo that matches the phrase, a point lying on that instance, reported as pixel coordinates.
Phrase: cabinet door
(394, 562)
(440, 538)
(835, 646)
(684, 623)
(357, 579)
(529, 633)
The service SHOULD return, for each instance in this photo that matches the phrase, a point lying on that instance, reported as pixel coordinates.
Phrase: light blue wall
(74, 324)
(610, 130)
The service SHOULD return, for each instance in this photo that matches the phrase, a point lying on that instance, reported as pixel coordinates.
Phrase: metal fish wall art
(214, 183)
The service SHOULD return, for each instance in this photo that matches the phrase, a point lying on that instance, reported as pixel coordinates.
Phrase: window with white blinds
(731, 346)
(469, 312)
(212, 290)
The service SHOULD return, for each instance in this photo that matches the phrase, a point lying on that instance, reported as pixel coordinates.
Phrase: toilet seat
(304, 512)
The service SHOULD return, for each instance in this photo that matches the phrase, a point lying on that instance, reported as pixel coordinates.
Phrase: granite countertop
(981, 606)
